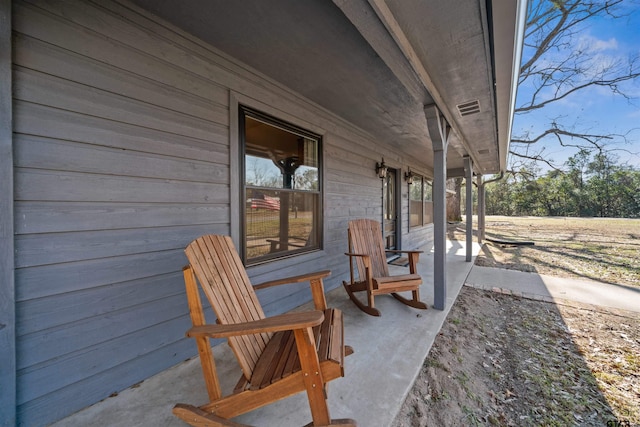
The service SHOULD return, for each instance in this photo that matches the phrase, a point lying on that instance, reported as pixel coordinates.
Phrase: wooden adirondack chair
(367, 247)
(279, 356)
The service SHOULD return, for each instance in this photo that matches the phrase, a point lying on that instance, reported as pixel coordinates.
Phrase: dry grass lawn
(603, 249)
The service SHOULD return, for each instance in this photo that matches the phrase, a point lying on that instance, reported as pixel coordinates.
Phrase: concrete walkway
(556, 289)
(389, 353)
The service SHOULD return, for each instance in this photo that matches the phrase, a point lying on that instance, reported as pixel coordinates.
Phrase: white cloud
(594, 44)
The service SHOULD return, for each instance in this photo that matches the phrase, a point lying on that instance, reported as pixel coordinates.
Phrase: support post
(439, 132)
(481, 209)
(468, 180)
(7, 276)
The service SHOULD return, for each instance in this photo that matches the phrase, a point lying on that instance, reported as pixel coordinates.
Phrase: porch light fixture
(381, 169)
(408, 176)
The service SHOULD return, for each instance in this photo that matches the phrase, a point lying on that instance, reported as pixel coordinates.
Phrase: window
(282, 188)
(420, 202)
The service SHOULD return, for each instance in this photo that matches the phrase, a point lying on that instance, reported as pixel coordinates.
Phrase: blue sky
(596, 110)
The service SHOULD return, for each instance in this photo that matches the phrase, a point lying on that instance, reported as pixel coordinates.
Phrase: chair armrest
(295, 279)
(282, 322)
(395, 251)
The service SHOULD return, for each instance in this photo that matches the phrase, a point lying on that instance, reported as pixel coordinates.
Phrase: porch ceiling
(376, 63)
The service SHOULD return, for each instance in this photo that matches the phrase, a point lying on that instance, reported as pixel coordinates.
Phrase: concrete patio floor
(389, 352)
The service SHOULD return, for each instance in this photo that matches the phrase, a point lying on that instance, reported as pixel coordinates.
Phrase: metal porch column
(481, 208)
(468, 180)
(439, 132)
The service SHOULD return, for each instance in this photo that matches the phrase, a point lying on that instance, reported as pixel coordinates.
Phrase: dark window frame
(425, 216)
(317, 227)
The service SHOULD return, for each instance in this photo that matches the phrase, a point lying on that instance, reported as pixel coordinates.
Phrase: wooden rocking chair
(279, 356)
(367, 247)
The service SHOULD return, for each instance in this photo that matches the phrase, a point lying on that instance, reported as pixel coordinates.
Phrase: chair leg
(314, 383)
(415, 302)
(371, 301)
(312, 376)
(372, 311)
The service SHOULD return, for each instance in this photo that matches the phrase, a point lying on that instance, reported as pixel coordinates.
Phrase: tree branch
(612, 83)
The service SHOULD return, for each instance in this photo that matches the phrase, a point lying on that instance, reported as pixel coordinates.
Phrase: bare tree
(558, 63)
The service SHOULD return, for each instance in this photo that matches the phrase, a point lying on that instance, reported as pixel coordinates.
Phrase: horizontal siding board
(340, 262)
(349, 161)
(299, 292)
(52, 248)
(355, 211)
(336, 236)
(332, 187)
(45, 153)
(57, 217)
(37, 314)
(49, 90)
(339, 200)
(343, 163)
(39, 282)
(340, 247)
(99, 25)
(40, 24)
(274, 296)
(48, 346)
(337, 223)
(37, 55)
(363, 186)
(67, 345)
(286, 267)
(42, 185)
(419, 237)
(41, 120)
(349, 174)
(74, 397)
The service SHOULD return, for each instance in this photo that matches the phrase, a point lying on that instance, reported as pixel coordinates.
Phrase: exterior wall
(7, 284)
(420, 237)
(121, 158)
(125, 140)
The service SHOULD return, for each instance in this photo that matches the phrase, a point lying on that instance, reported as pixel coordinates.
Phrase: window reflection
(282, 188)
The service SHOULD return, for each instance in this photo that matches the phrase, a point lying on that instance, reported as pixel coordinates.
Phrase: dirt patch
(507, 361)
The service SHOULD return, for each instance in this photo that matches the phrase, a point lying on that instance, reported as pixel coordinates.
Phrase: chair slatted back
(224, 281)
(365, 237)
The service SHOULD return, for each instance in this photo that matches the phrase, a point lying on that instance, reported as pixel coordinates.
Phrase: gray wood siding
(121, 158)
(7, 282)
(123, 155)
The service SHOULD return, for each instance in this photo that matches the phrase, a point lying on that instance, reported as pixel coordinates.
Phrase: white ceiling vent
(468, 108)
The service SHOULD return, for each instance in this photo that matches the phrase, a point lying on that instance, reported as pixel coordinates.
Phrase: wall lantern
(381, 169)
(408, 176)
